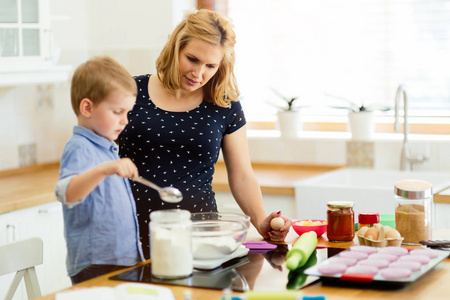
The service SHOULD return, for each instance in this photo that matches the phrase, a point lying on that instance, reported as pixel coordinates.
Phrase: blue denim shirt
(102, 228)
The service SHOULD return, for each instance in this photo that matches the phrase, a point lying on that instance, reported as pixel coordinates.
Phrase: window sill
(429, 126)
(343, 136)
(46, 76)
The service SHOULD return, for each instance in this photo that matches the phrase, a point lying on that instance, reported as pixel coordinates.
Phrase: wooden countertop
(274, 178)
(26, 187)
(433, 285)
(30, 186)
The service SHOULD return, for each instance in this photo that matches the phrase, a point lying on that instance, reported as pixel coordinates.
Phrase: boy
(101, 227)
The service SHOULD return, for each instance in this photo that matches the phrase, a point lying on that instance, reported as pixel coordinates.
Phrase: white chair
(21, 257)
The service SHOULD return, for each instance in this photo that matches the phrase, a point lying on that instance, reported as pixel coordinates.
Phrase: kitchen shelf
(51, 75)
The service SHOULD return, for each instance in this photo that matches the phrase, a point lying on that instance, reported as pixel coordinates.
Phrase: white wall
(35, 125)
(37, 121)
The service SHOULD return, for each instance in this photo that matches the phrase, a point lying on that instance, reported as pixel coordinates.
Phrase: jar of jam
(341, 221)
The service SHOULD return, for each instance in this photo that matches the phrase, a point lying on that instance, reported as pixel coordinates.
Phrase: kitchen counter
(262, 274)
(30, 186)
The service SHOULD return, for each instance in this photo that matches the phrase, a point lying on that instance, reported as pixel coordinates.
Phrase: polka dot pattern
(175, 149)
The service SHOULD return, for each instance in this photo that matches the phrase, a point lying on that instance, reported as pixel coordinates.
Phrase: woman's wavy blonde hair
(208, 26)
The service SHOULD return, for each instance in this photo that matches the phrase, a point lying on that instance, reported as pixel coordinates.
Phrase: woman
(183, 116)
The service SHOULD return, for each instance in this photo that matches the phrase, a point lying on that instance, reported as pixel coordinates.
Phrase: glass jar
(171, 244)
(367, 219)
(341, 221)
(413, 204)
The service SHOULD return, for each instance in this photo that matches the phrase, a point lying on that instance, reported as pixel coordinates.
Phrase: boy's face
(109, 117)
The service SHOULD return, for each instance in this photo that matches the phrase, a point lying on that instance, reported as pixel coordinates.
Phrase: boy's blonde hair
(208, 26)
(96, 78)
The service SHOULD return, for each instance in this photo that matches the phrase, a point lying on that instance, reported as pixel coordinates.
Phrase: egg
(362, 231)
(277, 223)
(278, 259)
(371, 233)
(393, 234)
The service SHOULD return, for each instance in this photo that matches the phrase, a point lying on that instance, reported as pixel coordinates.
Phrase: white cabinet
(441, 216)
(46, 222)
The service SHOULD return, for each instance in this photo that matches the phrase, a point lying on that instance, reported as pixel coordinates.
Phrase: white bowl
(216, 235)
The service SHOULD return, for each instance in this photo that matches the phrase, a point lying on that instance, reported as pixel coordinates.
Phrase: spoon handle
(147, 183)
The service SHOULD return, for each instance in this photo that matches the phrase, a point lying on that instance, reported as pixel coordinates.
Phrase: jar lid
(413, 189)
(340, 204)
(369, 218)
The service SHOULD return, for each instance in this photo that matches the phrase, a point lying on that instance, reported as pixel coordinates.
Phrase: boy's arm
(84, 183)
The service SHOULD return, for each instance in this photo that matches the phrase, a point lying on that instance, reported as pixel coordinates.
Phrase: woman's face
(199, 61)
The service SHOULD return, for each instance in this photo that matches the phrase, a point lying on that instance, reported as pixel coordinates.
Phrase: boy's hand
(123, 167)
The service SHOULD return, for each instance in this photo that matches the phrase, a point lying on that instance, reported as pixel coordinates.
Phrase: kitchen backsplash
(34, 132)
(383, 152)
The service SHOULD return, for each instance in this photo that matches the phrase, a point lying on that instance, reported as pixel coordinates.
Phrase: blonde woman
(184, 115)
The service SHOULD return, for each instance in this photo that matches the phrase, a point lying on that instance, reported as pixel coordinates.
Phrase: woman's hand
(275, 235)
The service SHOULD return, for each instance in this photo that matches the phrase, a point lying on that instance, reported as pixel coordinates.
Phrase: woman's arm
(84, 183)
(244, 186)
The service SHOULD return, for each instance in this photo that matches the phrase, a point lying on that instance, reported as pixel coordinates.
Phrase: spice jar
(171, 244)
(341, 221)
(367, 219)
(413, 204)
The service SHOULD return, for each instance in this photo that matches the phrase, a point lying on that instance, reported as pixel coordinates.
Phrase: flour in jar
(171, 252)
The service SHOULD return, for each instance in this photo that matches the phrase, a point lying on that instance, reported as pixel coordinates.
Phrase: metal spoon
(168, 194)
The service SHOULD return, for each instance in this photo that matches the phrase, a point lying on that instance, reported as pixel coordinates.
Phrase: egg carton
(382, 241)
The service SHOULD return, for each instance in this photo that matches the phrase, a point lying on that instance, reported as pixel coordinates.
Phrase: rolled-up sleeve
(61, 189)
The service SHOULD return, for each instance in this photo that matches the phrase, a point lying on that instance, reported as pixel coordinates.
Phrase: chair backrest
(20, 255)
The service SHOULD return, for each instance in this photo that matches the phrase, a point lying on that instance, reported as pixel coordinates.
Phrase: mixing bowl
(216, 235)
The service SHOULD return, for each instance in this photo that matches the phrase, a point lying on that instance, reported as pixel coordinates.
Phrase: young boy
(101, 227)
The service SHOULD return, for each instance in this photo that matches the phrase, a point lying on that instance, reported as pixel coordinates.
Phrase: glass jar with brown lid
(341, 221)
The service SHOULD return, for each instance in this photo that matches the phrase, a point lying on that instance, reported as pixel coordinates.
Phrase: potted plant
(289, 120)
(361, 121)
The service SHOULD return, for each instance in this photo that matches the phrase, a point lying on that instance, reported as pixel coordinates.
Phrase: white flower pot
(362, 125)
(289, 123)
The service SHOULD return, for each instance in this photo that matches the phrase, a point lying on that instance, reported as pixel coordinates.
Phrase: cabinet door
(25, 35)
(44, 221)
(9, 227)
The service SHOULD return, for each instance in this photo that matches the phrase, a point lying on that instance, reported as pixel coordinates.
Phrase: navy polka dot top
(175, 149)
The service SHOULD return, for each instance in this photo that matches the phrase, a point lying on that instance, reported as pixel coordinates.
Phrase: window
(24, 35)
(358, 50)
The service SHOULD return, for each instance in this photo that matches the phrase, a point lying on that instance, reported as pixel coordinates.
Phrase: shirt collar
(95, 138)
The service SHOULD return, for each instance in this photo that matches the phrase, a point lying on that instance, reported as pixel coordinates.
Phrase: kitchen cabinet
(441, 216)
(44, 221)
(442, 209)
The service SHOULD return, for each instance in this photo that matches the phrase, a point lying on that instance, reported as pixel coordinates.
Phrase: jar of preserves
(341, 221)
(413, 204)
